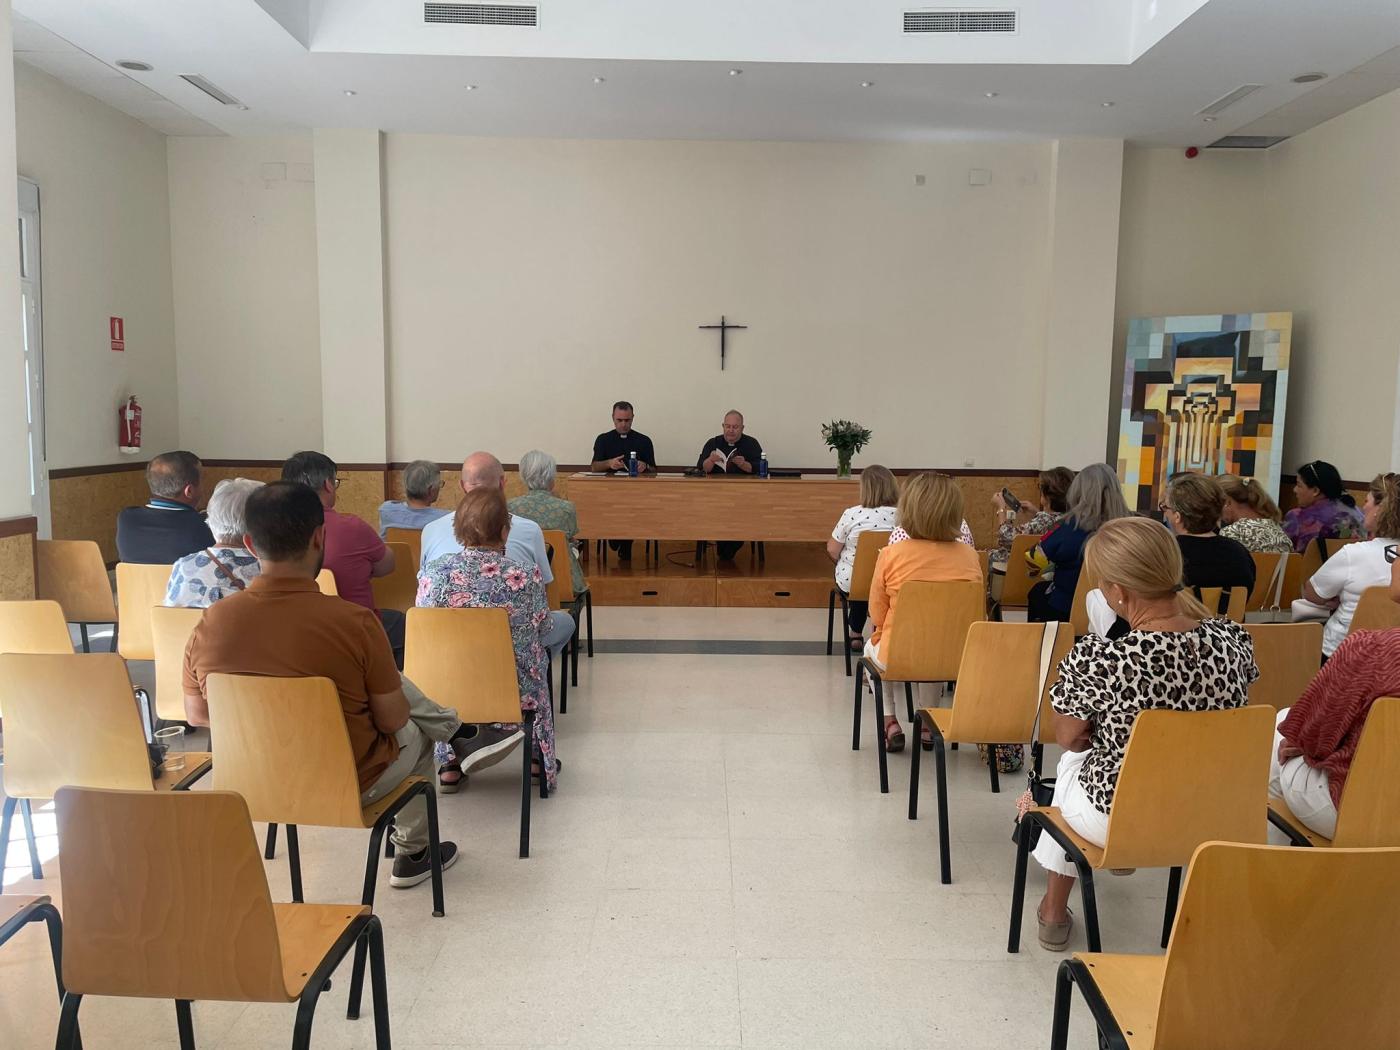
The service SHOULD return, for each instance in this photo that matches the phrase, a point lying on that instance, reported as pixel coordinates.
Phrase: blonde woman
(876, 512)
(1251, 516)
(930, 512)
(1172, 657)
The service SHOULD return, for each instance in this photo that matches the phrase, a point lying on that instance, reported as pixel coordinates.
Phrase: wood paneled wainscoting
(18, 567)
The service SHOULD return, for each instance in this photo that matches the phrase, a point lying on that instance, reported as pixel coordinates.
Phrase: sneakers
(411, 869)
(487, 747)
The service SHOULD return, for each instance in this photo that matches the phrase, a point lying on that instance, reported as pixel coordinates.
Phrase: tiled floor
(718, 869)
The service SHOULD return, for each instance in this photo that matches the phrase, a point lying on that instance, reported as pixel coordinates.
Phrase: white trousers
(921, 699)
(1303, 788)
(1080, 814)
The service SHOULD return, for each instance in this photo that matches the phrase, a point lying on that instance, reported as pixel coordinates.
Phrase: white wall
(105, 226)
(243, 233)
(14, 441)
(533, 283)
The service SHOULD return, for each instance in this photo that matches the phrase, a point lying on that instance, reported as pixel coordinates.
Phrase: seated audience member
(483, 470)
(930, 508)
(354, 552)
(225, 567)
(1053, 485)
(1390, 556)
(283, 626)
(876, 512)
(483, 575)
(1339, 584)
(545, 509)
(1191, 506)
(1251, 517)
(1325, 510)
(169, 526)
(1172, 657)
(1094, 497)
(422, 481)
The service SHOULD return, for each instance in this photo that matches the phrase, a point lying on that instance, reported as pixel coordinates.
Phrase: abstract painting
(1204, 394)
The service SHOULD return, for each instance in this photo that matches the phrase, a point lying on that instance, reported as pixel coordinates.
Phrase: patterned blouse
(478, 578)
(549, 511)
(1259, 534)
(854, 521)
(196, 584)
(1107, 683)
(1041, 523)
(1324, 519)
(964, 535)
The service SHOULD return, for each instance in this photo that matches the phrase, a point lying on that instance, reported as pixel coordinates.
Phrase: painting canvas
(1205, 394)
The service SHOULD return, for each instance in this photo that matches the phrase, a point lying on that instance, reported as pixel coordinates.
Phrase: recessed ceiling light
(735, 72)
(1209, 120)
(991, 94)
(134, 66)
(867, 83)
(348, 92)
(469, 87)
(1309, 78)
(600, 80)
(1106, 105)
(243, 108)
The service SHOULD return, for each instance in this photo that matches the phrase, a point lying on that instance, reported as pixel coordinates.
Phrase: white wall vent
(1248, 141)
(1226, 101)
(483, 14)
(215, 92)
(960, 20)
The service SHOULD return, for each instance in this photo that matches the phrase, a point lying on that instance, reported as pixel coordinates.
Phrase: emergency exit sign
(118, 333)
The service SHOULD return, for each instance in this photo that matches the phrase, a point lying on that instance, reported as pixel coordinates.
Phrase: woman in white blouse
(878, 495)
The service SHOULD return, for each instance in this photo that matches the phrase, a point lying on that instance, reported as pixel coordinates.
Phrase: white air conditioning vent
(1224, 102)
(1247, 141)
(215, 92)
(960, 20)
(483, 14)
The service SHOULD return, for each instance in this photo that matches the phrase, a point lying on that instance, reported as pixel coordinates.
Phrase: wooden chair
(71, 719)
(1289, 656)
(922, 643)
(1045, 719)
(196, 919)
(869, 544)
(1162, 809)
(1369, 813)
(1275, 947)
(33, 627)
(284, 747)
(996, 703)
(1375, 611)
(1079, 607)
(1224, 601)
(412, 537)
(140, 588)
(17, 911)
(1333, 545)
(72, 573)
(170, 634)
(398, 590)
(561, 596)
(1269, 582)
(325, 579)
(1020, 576)
(464, 659)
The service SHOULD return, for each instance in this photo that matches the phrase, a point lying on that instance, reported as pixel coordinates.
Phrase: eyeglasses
(1392, 551)
(335, 481)
(1164, 507)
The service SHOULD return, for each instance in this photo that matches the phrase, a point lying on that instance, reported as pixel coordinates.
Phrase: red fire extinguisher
(129, 425)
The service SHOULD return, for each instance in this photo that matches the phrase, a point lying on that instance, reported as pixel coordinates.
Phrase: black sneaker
(486, 748)
(411, 869)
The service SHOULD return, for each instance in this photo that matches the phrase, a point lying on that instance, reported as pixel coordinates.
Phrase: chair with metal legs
(17, 911)
(72, 573)
(868, 547)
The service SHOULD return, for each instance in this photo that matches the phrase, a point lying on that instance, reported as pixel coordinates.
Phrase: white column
(14, 428)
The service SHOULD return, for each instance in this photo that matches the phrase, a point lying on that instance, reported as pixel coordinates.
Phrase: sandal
(1054, 936)
(535, 769)
(451, 787)
(856, 642)
(926, 739)
(894, 737)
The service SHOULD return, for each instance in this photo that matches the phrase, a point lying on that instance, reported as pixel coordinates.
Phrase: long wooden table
(674, 507)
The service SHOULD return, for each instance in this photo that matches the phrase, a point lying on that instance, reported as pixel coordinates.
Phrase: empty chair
(868, 547)
(1288, 656)
(18, 911)
(1275, 947)
(140, 588)
(399, 589)
(72, 573)
(33, 627)
(170, 633)
(196, 919)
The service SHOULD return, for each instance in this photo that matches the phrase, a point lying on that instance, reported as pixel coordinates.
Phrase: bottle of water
(763, 464)
(632, 464)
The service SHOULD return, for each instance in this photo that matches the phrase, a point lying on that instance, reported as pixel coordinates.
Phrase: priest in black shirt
(732, 452)
(613, 449)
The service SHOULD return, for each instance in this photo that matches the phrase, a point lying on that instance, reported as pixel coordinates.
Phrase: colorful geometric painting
(1205, 394)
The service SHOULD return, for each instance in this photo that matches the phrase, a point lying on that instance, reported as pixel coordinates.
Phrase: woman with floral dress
(480, 576)
(1325, 509)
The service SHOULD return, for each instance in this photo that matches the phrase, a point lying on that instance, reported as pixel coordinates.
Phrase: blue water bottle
(632, 464)
(763, 464)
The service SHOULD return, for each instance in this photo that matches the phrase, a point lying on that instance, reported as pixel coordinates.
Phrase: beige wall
(243, 232)
(105, 225)
(14, 435)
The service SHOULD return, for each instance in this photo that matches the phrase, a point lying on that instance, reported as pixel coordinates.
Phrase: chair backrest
(170, 634)
(1281, 947)
(72, 573)
(1020, 575)
(1375, 611)
(560, 591)
(398, 590)
(195, 919)
(412, 537)
(1189, 777)
(464, 659)
(1079, 607)
(282, 744)
(1231, 607)
(998, 684)
(34, 627)
(140, 588)
(1289, 656)
(1064, 642)
(925, 637)
(869, 544)
(1332, 545)
(325, 579)
(1370, 811)
(1267, 581)
(70, 719)
(1295, 574)
(1311, 558)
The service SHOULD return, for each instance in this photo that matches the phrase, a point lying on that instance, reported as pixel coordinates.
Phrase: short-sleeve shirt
(923, 560)
(525, 545)
(1345, 576)
(196, 583)
(1108, 683)
(286, 628)
(611, 444)
(161, 533)
(353, 548)
(396, 514)
(854, 521)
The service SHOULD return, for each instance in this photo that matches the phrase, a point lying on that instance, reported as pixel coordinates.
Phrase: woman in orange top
(931, 512)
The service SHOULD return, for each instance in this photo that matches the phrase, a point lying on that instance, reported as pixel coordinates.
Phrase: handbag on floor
(1040, 791)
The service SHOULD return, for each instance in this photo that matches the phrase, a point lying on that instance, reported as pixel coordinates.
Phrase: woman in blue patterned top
(200, 579)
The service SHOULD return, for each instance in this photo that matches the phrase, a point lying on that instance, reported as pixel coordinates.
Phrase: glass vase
(843, 463)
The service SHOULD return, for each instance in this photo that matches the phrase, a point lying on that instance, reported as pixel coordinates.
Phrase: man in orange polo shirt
(283, 626)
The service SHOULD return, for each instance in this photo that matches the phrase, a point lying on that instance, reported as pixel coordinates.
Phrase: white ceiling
(665, 67)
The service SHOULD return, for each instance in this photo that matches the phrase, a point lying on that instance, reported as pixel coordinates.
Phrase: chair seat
(375, 810)
(306, 933)
(197, 763)
(13, 907)
(1281, 809)
(1131, 985)
(1093, 854)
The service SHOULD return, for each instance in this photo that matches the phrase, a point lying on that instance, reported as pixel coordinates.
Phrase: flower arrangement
(847, 439)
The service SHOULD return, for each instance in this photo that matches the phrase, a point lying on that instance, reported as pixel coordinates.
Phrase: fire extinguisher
(129, 425)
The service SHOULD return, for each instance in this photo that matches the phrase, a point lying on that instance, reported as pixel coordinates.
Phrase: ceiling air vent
(1248, 141)
(1226, 101)
(960, 20)
(215, 92)
(482, 14)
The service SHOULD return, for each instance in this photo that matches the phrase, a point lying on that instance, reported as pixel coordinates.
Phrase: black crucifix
(724, 329)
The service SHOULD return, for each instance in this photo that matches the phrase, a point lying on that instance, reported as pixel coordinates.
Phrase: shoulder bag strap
(224, 571)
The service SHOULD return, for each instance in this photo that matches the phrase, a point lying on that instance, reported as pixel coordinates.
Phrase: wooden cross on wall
(724, 328)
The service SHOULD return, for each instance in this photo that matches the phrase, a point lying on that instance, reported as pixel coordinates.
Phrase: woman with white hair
(200, 579)
(422, 483)
(545, 509)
